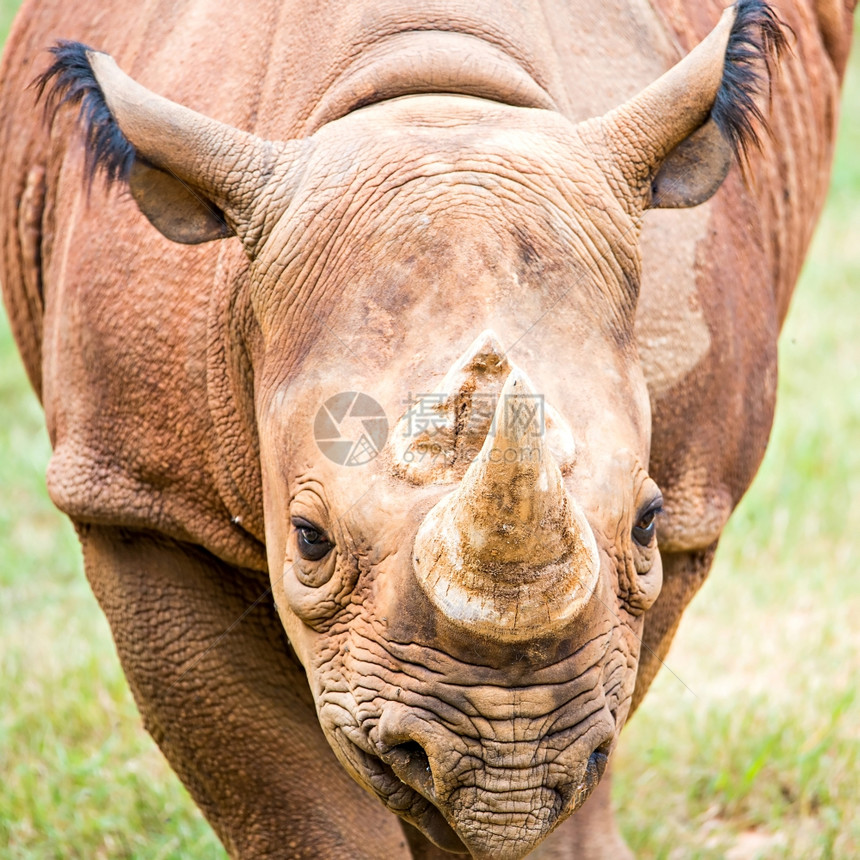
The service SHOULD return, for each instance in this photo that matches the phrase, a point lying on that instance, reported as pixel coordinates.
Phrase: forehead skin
(417, 224)
(383, 185)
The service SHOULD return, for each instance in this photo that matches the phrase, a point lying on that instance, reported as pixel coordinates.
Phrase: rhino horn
(509, 554)
(442, 448)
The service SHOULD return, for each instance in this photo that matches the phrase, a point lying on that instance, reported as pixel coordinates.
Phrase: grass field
(760, 760)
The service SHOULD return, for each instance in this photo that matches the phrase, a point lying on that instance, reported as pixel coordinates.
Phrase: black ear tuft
(70, 80)
(757, 39)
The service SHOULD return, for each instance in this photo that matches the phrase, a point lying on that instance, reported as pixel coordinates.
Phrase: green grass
(7, 13)
(760, 760)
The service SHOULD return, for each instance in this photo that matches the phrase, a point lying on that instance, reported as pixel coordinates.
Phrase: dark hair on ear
(757, 39)
(70, 80)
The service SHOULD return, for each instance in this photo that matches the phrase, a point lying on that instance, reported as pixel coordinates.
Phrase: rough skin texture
(174, 459)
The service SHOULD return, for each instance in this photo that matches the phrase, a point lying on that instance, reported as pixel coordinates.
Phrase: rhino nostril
(411, 755)
(411, 764)
(411, 750)
(597, 761)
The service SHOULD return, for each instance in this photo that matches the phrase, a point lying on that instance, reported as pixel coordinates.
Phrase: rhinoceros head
(453, 424)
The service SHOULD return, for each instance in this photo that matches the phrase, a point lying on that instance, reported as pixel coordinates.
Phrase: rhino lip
(400, 796)
(410, 765)
(594, 770)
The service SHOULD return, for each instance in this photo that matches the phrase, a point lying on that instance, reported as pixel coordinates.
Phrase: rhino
(402, 376)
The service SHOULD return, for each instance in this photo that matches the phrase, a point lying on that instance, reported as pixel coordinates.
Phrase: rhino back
(132, 340)
(128, 337)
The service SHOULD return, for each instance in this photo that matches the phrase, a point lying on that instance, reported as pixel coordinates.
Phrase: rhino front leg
(228, 704)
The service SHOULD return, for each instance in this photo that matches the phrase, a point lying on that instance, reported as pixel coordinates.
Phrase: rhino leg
(228, 704)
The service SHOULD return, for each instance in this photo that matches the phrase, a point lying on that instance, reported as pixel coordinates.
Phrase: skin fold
(456, 199)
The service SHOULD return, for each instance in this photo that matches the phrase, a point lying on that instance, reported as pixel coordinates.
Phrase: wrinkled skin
(181, 385)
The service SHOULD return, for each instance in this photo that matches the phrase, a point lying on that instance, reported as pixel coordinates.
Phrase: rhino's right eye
(312, 544)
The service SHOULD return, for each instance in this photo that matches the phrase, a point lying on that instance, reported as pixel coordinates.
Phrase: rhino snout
(500, 794)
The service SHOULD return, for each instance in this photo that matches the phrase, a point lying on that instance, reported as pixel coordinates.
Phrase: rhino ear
(693, 171)
(175, 209)
(675, 141)
(194, 178)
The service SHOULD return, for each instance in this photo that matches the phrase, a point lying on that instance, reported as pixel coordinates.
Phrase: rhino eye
(313, 545)
(646, 526)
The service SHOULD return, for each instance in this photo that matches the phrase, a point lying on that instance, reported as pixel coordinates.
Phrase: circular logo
(350, 428)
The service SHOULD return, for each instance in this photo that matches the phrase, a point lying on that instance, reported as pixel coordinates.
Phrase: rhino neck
(430, 61)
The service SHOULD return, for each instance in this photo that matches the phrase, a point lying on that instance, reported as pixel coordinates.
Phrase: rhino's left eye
(312, 543)
(646, 526)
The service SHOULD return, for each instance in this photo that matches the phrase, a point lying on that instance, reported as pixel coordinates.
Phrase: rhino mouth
(400, 797)
(401, 777)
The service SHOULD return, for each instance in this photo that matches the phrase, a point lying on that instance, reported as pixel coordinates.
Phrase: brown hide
(738, 296)
(140, 348)
(710, 427)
